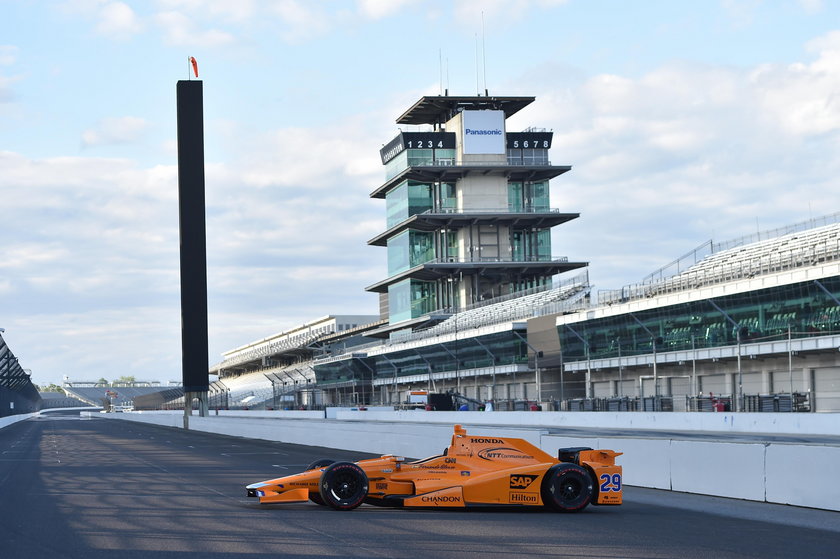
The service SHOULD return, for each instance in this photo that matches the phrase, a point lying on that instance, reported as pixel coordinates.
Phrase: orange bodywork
(473, 470)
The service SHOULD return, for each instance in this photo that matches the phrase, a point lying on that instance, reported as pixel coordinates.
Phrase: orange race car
(472, 471)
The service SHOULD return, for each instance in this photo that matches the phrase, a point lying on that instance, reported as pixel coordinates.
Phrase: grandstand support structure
(17, 393)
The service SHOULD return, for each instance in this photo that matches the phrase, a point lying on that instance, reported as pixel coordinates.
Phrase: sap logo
(521, 481)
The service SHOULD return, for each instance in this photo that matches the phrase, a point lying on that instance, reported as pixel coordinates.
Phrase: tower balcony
(442, 268)
(453, 171)
(434, 220)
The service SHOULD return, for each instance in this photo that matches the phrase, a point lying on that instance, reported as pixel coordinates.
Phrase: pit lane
(96, 488)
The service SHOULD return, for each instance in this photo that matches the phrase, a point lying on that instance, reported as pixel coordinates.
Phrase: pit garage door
(827, 389)
(782, 380)
(680, 388)
(602, 389)
(751, 383)
(626, 388)
(715, 384)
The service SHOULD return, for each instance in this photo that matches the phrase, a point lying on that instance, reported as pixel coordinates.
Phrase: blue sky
(683, 121)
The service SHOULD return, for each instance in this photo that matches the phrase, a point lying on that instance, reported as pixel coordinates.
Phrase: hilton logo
(525, 498)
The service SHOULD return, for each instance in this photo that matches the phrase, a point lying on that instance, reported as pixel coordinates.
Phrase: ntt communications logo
(480, 132)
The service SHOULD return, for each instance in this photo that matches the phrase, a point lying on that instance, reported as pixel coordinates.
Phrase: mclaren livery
(472, 471)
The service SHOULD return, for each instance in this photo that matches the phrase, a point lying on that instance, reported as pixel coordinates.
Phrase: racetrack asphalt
(81, 488)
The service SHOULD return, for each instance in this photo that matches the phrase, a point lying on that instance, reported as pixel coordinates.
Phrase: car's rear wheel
(567, 487)
(343, 486)
(315, 497)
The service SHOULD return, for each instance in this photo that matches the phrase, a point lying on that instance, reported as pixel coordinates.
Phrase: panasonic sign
(484, 132)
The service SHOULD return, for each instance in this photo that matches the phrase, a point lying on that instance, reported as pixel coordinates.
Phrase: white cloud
(225, 10)
(103, 262)
(303, 20)
(803, 98)
(686, 152)
(811, 6)
(496, 12)
(8, 54)
(741, 13)
(378, 9)
(118, 20)
(181, 30)
(112, 131)
(6, 92)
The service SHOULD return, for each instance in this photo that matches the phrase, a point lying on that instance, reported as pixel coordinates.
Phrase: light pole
(537, 372)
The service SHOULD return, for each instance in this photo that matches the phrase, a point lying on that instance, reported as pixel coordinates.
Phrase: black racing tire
(315, 497)
(567, 487)
(343, 486)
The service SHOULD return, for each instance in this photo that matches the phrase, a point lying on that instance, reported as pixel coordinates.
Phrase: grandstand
(756, 317)
(753, 325)
(516, 307)
(277, 372)
(53, 400)
(474, 353)
(111, 396)
(743, 258)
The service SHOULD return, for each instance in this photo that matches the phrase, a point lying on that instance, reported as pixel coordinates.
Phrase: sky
(682, 121)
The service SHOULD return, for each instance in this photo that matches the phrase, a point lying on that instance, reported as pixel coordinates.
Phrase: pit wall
(751, 423)
(10, 419)
(772, 472)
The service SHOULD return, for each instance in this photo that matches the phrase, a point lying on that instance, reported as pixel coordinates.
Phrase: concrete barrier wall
(12, 419)
(803, 475)
(777, 423)
(722, 469)
(794, 474)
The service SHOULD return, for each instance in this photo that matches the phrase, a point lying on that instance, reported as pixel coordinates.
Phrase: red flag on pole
(194, 66)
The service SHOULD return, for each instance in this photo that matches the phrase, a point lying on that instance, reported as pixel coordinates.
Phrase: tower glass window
(527, 156)
(446, 198)
(407, 199)
(531, 245)
(420, 157)
(396, 165)
(536, 196)
(516, 200)
(411, 298)
(528, 196)
(535, 157)
(408, 249)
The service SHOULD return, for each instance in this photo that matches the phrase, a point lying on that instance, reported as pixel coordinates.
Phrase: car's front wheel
(343, 486)
(315, 497)
(567, 487)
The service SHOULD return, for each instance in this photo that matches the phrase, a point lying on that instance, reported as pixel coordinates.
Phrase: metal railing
(743, 267)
